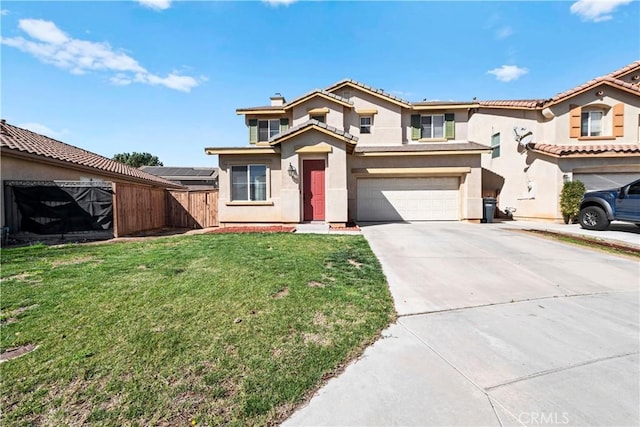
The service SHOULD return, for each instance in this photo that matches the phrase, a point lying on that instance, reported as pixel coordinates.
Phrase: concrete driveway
(496, 327)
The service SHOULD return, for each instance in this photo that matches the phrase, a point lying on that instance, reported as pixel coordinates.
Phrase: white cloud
(52, 46)
(507, 73)
(44, 31)
(276, 3)
(4, 12)
(596, 10)
(156, 4)
(43, 130)
(504, 32)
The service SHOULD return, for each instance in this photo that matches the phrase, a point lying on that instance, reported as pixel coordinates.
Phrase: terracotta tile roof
(518, 103)
(624, 70)
(443, 103)
(318, 91)
(568, 150)
(427, 146)
(591, 83)
(369, 88)
(17, 139)
(338, 132)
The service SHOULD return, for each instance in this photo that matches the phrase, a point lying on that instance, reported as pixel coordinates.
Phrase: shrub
(570, 197)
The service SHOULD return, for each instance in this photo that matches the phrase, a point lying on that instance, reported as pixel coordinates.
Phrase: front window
(268, 128)
(249, 183)
(365, 124)
(432, 126)
(591, 123)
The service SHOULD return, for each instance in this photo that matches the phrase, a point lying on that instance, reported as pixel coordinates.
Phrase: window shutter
(284, 124)
(253, 131)
(618, 120)
(415, 126)
(449, 126)
(575, 113)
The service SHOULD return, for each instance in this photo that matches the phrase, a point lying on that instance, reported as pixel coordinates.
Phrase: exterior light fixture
(600, 93)
(293, 173)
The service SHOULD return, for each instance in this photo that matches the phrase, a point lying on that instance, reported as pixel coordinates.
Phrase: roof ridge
(313, 122)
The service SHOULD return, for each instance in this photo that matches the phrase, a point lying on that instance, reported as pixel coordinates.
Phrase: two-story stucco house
(351, 152)
(590, 133)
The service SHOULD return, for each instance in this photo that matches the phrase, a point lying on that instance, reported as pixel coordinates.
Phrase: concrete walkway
(496, 327)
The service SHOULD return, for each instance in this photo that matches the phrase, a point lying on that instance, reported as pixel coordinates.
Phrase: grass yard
(233, 329)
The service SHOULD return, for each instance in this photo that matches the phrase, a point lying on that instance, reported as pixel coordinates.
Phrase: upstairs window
(268, 128)
(249, 183)
(365, 124)
(320, 118)
(591, 123)
(432, 126)
(495, 144)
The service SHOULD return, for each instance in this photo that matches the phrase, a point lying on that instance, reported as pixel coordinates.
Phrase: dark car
(599, 208)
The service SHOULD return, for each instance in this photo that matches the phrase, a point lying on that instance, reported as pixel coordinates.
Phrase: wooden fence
(137, 208)
(192, 209)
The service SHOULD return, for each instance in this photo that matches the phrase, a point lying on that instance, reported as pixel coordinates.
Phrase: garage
(408, 199)
(604, 180)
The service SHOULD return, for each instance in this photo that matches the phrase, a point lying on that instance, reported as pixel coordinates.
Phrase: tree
(137, 159)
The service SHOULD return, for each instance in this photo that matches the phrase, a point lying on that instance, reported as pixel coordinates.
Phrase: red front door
(313, 189)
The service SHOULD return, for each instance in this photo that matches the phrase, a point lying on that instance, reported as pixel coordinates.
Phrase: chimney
(277, 100)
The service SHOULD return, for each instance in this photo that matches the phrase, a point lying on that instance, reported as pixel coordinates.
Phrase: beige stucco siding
(229, 211)
(284, 204)
(534, 181)
(556, 131)
(460, 118)
(470, 183)
(335, 176)
(387, 122)
(333, 118)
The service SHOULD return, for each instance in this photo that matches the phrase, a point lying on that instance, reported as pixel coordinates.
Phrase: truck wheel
(594, 218)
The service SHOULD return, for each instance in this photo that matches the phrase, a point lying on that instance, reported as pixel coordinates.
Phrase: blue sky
(165, 76)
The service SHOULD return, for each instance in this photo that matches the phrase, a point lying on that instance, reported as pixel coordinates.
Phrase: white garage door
(408, 199)
(604, 180)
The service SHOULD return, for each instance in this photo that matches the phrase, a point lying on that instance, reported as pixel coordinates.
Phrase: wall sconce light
(293, 173)
(600, 93)
(566, 178)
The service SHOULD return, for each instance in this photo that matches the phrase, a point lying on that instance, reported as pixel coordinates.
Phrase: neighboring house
(30, 157)
(352, 152)
(192, 178)
(590, 133)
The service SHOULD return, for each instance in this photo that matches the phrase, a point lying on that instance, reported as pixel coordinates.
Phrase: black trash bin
(488, 208)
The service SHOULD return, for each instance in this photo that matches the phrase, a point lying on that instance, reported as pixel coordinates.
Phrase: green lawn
(232, 329)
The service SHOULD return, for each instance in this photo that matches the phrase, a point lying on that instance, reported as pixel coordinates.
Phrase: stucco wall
(460, 118)
(386, 128)
(333, 117)
(533, 181)
(284, 204)
(557, 129)
(249, 212)
(335, 176)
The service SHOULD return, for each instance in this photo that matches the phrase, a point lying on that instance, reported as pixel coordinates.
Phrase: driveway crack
(561, 369)
(473, 383)
(447, 310)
